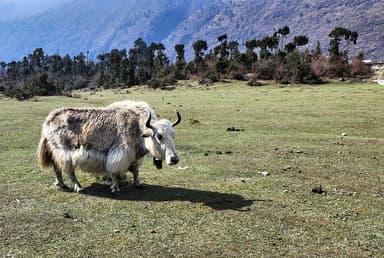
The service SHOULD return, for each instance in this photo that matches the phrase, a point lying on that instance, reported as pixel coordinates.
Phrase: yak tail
(44, 154)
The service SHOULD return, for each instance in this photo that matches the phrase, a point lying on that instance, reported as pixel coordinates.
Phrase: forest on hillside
(268, 58)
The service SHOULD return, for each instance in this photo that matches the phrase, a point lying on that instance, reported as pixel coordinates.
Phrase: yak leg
(59, 178)
(122, 177)
(136, 179)
(115, 182)
(76, 185)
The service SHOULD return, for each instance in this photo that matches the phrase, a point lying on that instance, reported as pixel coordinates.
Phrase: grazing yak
(109, 140)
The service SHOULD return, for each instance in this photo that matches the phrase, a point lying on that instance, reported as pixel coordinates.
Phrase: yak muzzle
(174, 160)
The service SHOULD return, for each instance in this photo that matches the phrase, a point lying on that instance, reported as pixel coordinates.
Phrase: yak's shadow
(157, 193)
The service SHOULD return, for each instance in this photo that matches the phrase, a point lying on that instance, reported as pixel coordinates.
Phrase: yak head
(159, 140)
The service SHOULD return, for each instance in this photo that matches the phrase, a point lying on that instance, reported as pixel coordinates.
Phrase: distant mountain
(243, 20)
(94, 25)
(71, 26)
(11, 10)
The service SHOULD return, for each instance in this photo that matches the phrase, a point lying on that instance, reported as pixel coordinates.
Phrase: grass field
(221, 205)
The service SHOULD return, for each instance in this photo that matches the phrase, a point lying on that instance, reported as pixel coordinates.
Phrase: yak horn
(178, 119)
(148, 123)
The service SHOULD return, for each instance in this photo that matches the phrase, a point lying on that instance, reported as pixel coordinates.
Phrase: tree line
(268, 58)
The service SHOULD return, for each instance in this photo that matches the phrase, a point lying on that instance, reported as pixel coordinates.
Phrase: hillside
(98, 26)
(94, 25)
(243, 20)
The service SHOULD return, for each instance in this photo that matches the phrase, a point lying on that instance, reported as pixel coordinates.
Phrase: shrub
(280, 73)
(338, 69)
(265, 69)
(162, 82)
(237, 76)
(213, 76)
(320, 66)
(39, 85)
(299, 68)
(358, 67)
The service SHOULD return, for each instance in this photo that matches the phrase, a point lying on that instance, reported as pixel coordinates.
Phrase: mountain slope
(94, 25)
(98, 26)
(243, 20)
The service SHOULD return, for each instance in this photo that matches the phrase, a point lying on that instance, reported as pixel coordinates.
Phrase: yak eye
(159, 137)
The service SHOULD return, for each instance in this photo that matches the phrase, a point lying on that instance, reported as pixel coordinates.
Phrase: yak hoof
(64, 188)
(79, 189)
(139, 184)
(115, 194)
(115, 188)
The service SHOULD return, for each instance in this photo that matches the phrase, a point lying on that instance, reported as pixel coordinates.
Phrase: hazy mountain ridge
(98, 26)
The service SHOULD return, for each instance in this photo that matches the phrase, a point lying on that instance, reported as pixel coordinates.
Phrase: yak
(108, 141)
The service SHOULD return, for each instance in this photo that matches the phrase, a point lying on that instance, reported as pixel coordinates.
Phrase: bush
(38, 85)
(265, 69)
(358, 67)
(18, 93)
(299, 68)
(280, 73)
(338, 68)
(237, 76)
(320, 66)
(213, 76)
(162, 82)
(75, 83)
(237, 71)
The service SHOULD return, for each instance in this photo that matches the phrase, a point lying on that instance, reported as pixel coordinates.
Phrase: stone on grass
(318, 190)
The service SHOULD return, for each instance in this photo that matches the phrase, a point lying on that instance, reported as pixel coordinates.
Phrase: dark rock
(66, 215)
(318, 190)
(194, 121)
(234, 129)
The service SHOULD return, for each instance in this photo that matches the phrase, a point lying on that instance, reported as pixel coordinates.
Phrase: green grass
(220, 206)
